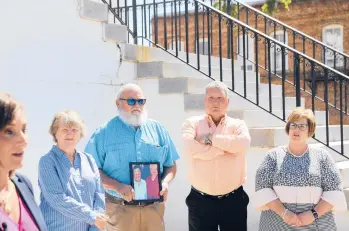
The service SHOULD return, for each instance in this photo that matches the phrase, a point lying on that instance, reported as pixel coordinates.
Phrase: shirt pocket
(154, 153)
(115, 158)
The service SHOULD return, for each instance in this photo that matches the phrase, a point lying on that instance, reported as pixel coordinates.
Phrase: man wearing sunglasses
(132, 137)
(215, 145)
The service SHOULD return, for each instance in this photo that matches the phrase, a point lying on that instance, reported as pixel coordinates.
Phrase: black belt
(238, 190)
(120, 201)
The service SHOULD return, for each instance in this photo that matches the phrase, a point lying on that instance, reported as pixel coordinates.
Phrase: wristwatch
(207, 139)
(316, 216)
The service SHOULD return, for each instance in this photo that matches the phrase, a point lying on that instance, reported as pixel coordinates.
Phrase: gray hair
(128, 86)
(67, 117)
(219, 85)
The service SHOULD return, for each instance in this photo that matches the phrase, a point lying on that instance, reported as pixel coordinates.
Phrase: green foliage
(270, 7)
(222, 6)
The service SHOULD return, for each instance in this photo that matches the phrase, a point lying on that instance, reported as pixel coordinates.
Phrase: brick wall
(309, 17)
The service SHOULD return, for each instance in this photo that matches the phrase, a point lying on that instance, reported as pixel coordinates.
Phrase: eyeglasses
(294, 126)
(132, 102)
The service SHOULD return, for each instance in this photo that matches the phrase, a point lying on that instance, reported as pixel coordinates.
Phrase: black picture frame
(145, 175)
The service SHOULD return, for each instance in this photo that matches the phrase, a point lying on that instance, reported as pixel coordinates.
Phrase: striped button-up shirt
(115, 144)
(71, 195)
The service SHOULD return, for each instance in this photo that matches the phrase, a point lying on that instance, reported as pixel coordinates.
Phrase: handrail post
(298, 80)
(134, 12)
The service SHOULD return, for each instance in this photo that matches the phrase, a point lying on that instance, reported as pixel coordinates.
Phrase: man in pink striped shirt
(215, 146)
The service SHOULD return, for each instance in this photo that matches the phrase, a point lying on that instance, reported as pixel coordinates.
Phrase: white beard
(133, 120)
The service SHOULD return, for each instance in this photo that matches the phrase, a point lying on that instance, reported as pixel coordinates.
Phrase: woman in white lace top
(297, 187)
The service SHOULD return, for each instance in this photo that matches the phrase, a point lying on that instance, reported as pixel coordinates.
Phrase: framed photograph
(146, 181)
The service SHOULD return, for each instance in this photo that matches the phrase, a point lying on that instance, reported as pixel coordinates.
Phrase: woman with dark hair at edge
(18, 209)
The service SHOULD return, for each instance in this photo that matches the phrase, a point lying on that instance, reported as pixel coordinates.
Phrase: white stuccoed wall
(52, 60)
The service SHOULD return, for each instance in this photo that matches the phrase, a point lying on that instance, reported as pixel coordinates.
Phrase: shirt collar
(210, 121)
(128, 126)
(56, 150)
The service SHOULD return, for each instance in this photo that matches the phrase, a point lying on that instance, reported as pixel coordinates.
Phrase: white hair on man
(217, 84)
(126, 87)
(132, 117)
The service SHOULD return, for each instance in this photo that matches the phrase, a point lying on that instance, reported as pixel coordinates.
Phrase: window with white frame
(333, 36)
(276, 53)
(172, 45)
(203, 46)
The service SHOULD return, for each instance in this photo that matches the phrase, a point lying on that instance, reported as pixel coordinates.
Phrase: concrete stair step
(92, 10)
(169, 70)
(276, 136)
(114, 33)
(148, 54)
(196, 102)
(257, 118)
(197, 85)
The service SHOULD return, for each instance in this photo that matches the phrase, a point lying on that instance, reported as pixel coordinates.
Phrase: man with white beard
(132, 137)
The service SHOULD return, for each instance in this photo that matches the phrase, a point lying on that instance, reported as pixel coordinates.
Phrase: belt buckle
(220, 197)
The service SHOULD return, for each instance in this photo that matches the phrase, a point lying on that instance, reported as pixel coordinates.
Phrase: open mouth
(18, 154)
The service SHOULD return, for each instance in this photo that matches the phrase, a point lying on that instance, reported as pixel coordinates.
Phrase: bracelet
(284, 214)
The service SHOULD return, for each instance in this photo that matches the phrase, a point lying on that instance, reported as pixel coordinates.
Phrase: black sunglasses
(132, 102)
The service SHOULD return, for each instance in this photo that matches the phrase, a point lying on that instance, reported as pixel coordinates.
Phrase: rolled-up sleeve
(95, 147)
(238, 142)
(53, 192)
(193, 148)
(264, 182)
(331, 183)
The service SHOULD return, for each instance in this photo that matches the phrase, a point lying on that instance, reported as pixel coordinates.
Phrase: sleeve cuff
(336, 199)
(92, 218)
(263, 197)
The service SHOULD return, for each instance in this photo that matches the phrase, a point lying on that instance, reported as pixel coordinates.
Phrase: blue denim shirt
(115, 144)
(71, 195)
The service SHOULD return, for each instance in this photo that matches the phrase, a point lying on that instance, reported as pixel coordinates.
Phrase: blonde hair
(299, 113)
(67, 117)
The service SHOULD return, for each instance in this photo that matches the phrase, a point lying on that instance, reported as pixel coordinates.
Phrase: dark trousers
(206, 213)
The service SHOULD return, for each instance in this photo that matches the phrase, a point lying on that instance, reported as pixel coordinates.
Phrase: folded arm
(195, 149)
(233, 143)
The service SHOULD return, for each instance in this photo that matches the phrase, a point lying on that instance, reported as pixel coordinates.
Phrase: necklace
(4, 203)
(288, 149)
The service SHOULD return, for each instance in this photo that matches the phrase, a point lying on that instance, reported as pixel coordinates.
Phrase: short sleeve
(331, 183)
(264, 182)
(95, 147)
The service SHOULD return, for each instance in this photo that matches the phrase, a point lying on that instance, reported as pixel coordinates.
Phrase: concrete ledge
(151, 69)
(173, 85)
(94, 11)
(193, 102)
(343, 167)
(114, 33)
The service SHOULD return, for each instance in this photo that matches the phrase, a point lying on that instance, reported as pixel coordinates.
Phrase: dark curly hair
(8, 106)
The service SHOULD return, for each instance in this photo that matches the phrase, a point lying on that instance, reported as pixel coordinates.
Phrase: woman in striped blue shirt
(72, 196)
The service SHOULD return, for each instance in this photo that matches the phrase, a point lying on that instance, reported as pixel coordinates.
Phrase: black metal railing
(254, 65)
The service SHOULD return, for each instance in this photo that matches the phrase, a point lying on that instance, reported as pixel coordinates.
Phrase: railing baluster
(149, 20)
(156, 22)
(145, 19)
(186, 30)
(326, 107)
(294, 60)
(180, 26)
(244, 57)
(176, 26)
(197, 34)
(304, 86)
(220, 47)
(269, 75)
(256, 66)
(298, 80)
(283, 68)
(172, 26)
(209, 41)
(313, 86)
(232, 56)
(134, 16)
(165, 25)
(341, 114)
